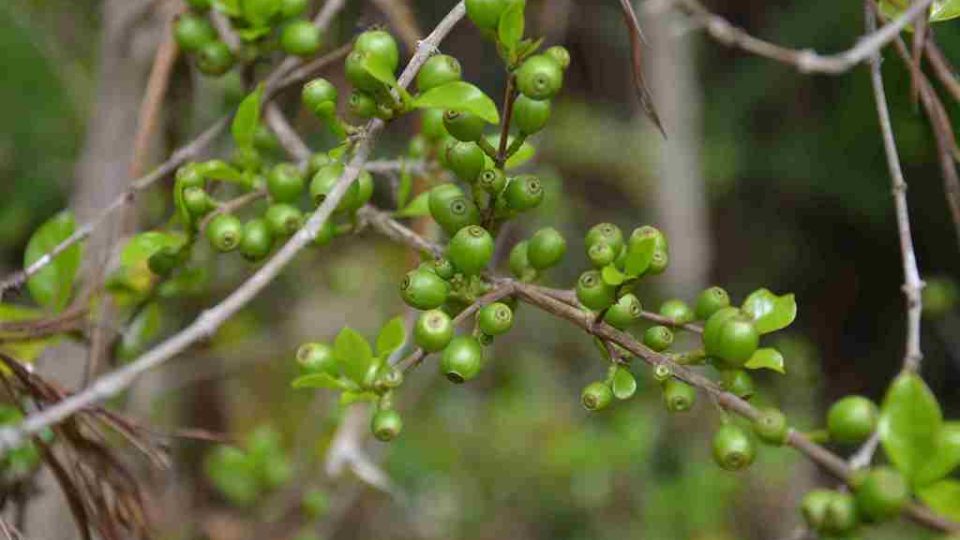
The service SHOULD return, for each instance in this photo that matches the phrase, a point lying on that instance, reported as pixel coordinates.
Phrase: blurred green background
(798, 200)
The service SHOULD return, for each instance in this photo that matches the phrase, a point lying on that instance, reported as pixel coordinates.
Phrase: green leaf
(510, 28)
(624, 385)
(766, 359)
(349, 397)
(228, 7)
(639, 255)
(24, 351)
(459, 96)
(244, 127)
(943, 498)
(527, 47)
(139, 249)
(419, 206)
(392, 337)
(523, 154)
(405, 187)
(140, 332)
(376, 66)
(769, 311)
(319, 380)
(353, 354)
(217, 169)
(910, 424)
(944, 10)
(612, 276)
(51, 286)
(945, 458)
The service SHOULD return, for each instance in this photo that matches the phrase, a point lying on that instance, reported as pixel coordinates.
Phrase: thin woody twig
(941, 67)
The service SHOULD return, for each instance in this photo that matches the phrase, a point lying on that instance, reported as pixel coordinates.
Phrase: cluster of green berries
(372, 50)
(285, 27)
(879, 494)
(244, 474)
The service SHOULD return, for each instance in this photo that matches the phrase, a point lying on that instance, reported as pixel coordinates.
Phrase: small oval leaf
(910, 424)
(392, 337)
(624, 384)
(51, 285)
(766, 359)
(319, 380)
(769, 311)
(612, 276)
(459, 96)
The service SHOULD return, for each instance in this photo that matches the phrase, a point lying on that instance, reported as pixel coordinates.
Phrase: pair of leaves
(247, 119)
(459, 96)
(766, 358)
(914, 435)
(52, 285)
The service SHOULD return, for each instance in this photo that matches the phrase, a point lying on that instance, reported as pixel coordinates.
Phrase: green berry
(466, 160)
(677, 311)
(293, 8)
(451, 209)
(247, 158)
(733, 449)
(193, 32)
(658, 338)
(188, 176)
(539, 77)
(324, 181)
(388, 378)
(738, 382)
(771, 427)
(300, 37)
(492, 181)
(424, 290)
(463, 126)
(734, 340)
(523, 192)
(624, 313)
(358, 75)
(444, 268)
(852, 420)
(658, 263)
(678, 396)
(214, 58)
(600, 255)
(285, 183)
(710, 301)
(438, 70)
(317, 358)
(386, 425)
(362, 104)
(495, 319)
(605, 233)
(431, 125)
(830, 512)
(318, 161)
(814, 507)
(381, 46)
(462, 359)
(593, 292)
(560, 55)
(485, 13)
(596, 396)
(433, 331)
(196, 201)
(711, 330)
(225, 232)
(530, 115)
(199, 5)
(519, 261)
(257, 240)
(325, 234)
(320, 96)
(662, 373)
(471, 249)
(546, 248)
(283, 219)
(881, 494)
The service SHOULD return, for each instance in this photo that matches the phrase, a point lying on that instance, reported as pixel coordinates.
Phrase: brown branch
(941, 67)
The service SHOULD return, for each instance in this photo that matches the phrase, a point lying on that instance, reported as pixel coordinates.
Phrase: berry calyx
(624, 313)
(539, 77)
(424, 290)
(317, 358)
(596, 396)
(733, 449)
(225, 232)
(451, 209)
(471, 249)
(433, 330)
(658, 338)
(600, 255)
(593, 292)
(495, 319)
(462, 359)
(678, 396)
(605, 233)
(523, 192)
(771, 427)
(852, 420)
(386, 425)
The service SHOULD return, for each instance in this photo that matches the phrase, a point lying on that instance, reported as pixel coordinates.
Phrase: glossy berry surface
(624, 312)
(596, 396)
(677, 311)
(710, 301)
(678, 396)
(658, 338)
(881, 494)
(438, 70)
(852, 420)
(471, 249)
(734, 339)
(733, 449)
(225, 232)
(285, 183)
(357, 74)
(463, 126)
(424, 290)
(601, 254)
(320, 97)
(593, 293)
(519, 262)
(214, 58)
(257, 240)
(386, 425)
(381, 46)
(540, 77)
(462, 359)
(771, 426)
(485, 13)
(451, 209)
(193, 32)
(362, 104)
(523, 192)
(495, 319)
(433, 331)
(300, 37)
(492, 181)
(738, 382)
(283, 219)
(605, 233)
(530, 115)
(546, 248)
(317, 358)
(560, 55)
(466, 160)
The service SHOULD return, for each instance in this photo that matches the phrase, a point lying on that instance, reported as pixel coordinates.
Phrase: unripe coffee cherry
(388, 378)
(560, 55)
(852, 420)
(225, 232)
(596, 396)
(539, 77)
(677, 311)
(283, 219)
(188, 176)
(605, 233)
(738, 382)
(320, 97)
(424, 290)
(463, 126)
(293, 8)
(530, 115)
(520, 262)
(733, 449)
(471, 249)
(462, 359)
(546, 248)
(771, 427)
(711, 330)
(214, 58)
(710, 301)
(317, 358)
(466, 160)
(197, 202)
(662, 373)
(362, 104)
(658, 263)
(247, 158)
(593, 292)
(451, 209)
(600, 255)
(386, 425)
(829, 512)
(492, 181)
(317, 161)
(444, 268)
(438, 70)
(431, 125)
(658, 338)
(300, 37)
(433, 331)
(199, 5)
(881, 494)
(485, 13)
(285, 183)
(323, 183)
(734, 339)
(325, 234)
(193, 32)
(649, 231)
(381, 45)
(624, 313)
(523, 192)
(495, 319)
(257, 240)
(678, 396)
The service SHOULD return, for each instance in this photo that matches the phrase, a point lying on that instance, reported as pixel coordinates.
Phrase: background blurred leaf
(52, 285)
